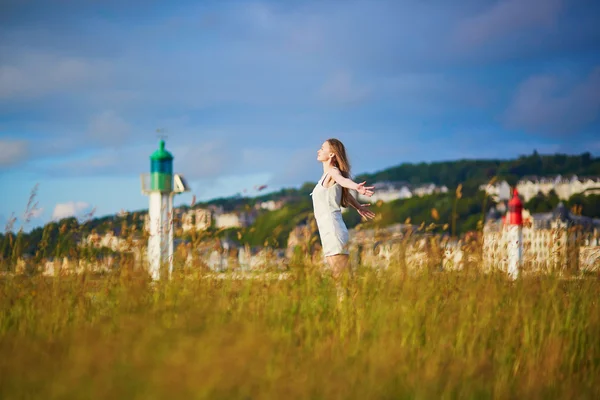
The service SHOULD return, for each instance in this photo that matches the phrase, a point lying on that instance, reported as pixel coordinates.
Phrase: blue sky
(247, 91)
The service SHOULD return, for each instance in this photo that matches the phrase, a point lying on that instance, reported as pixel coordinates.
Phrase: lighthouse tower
(514, 234)
(160, 186)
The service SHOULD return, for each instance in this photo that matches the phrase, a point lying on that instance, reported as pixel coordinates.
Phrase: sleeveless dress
(328, 213)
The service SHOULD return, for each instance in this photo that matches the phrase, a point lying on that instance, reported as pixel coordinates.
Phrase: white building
(234, 220)
(551, 241)
(531, 186)
(428, 189)
(198, 220)
(108, 240)
(498, 192)
(270, 205)
(389, 191)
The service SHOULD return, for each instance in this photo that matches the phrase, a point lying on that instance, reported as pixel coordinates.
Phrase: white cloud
(506, 17)
(104, 162)
(548, 104)
(37, 212)
(13, 151)
(33, 75)
(69, 209)
(108, 128)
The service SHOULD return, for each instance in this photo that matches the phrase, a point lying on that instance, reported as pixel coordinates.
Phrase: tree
(590, 205)
(6, 250)
(542, 203)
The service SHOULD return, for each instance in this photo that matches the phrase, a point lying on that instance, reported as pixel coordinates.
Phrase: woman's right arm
(362, 209)
(350, 184)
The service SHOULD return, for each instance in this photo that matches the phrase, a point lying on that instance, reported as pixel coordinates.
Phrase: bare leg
(339, 269)
(338, 264)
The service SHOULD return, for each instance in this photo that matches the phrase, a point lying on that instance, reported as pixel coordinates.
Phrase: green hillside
(59, 238)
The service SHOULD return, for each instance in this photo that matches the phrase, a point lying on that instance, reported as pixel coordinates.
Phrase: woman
(330, 194)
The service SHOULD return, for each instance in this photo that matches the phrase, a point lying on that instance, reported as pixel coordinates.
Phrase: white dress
(328, 213)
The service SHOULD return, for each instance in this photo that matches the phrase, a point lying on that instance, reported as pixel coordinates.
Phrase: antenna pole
(161, 133)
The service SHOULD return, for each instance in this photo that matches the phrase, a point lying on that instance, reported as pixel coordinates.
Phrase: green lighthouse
(160, 186)
(161, 170)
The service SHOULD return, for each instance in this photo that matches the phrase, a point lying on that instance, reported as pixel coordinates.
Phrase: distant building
(531, 186)
(550, 240)
(428, 189)
(108, 240)
(498, 192)
(299, 236)
(234, 220)
(198, 219)
(270, 205)
(389, 191)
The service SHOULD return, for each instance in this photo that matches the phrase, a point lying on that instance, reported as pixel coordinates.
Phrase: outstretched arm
(362, 209)
(350, 184)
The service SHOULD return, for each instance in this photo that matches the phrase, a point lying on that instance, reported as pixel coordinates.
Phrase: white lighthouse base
(515, 250)
(160, 242)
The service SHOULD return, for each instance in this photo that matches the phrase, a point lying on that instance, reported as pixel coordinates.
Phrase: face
(324, 153)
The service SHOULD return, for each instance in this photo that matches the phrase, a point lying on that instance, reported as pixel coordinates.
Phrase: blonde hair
(340, 160)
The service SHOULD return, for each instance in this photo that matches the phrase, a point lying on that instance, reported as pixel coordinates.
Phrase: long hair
(340, 160)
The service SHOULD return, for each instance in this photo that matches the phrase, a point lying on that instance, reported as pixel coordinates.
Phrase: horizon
(192, 197)
(246, 91)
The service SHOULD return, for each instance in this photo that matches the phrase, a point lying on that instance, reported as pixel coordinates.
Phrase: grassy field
(434, 335)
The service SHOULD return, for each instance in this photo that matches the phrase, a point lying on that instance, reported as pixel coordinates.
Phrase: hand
(363, 211)
(365, 190)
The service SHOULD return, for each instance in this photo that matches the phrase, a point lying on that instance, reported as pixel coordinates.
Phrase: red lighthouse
(514, 235)
(515, 209)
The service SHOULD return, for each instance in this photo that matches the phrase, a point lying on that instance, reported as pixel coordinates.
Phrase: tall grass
(426, 334)
(429, 335)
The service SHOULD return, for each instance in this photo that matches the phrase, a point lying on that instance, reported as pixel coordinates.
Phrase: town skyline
(386, 190)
